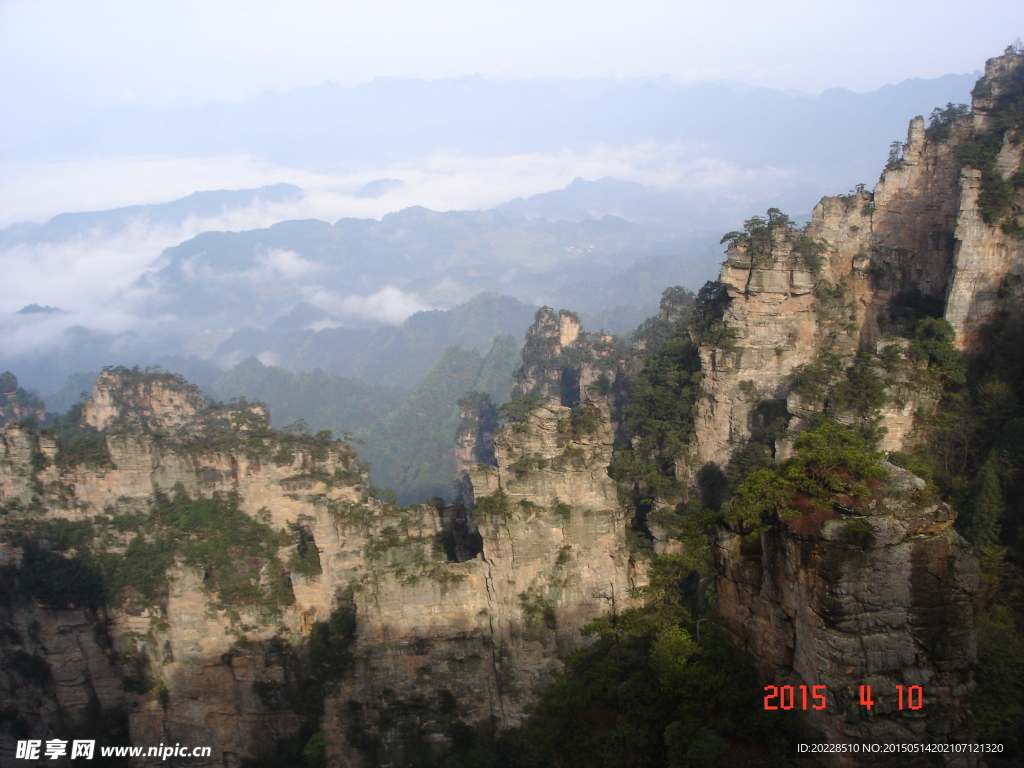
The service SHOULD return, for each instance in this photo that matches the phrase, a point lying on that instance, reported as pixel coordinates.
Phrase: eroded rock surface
(881, 597)
(880, 593)
(441, 631)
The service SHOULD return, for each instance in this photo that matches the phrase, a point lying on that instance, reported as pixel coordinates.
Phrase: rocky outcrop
(58, 673)
(563, 364)
(988, 273)
(474, 441)
(879, 592)
(422, 618)
(880, 596)
(155, 401)
(869, 264)
(470, 641)
(171, 670)
(548, 340)
(15, 403)
(771, 314)
(551, 523)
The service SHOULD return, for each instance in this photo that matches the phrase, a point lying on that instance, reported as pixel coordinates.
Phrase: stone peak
(157, 399)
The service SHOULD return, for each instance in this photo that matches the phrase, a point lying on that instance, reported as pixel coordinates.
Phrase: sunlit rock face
(452, 618)
(155, 401)
(879, 595)
(382, 628)
(920, 238)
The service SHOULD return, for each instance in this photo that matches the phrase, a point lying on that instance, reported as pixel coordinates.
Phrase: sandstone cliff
(880, 593)
(327, 611)
(870, 263)
(15, 403)
(176, 571)
(565, 365)
(881, 597)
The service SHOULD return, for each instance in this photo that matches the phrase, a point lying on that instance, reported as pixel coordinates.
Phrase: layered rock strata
(452, 620)
(877, 593)
(880, 597)
(920, 239)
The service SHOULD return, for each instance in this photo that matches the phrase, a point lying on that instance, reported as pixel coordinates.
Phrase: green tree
(986, 509)
(829, 460)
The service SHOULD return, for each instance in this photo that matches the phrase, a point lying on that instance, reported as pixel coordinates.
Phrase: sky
(61, 59)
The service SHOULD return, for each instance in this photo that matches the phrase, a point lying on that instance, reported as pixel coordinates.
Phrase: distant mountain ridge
(198, 205)
(234, 279)
(330, 127)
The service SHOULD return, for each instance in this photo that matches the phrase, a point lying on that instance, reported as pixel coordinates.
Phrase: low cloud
(389, 305)
(269, 358)
(448, 292)
(441, 181)
(286, 264)
(92, 277)
(273, 265)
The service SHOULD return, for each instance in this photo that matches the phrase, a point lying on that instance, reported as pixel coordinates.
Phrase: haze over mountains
(333, 128)
(474, 142)
(430, 214)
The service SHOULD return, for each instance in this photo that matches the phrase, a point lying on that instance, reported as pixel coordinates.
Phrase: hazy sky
(60, 57)
(61, 61)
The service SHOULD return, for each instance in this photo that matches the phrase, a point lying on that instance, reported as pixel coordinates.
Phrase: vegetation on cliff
(972, 449)
(659, 416)
(79, 443)
(759, 234)
(656, 687)
(73, 564)
(967, 444)
(659, 685)
(1000, 198)
(830, 462)
(124, 555)
(410, 451)
(15, 403)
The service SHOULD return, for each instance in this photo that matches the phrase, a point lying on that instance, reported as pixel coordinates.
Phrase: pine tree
(986, 509)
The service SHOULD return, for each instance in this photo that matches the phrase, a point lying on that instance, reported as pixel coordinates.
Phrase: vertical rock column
(881, 597)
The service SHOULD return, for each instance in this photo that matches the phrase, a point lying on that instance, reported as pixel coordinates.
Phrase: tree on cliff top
(831, 460)
(757, 231)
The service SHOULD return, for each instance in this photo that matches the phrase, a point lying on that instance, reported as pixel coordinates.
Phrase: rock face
(988, 273)
(154, 401)
(552, 526)
(15, 403)
(880, 595)
(474, 442)
(920, 238)
(771, 313)
(428, 618)
(374, 633)
(57, 674)
(562, 363)
(170, 670)
(471, 640)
